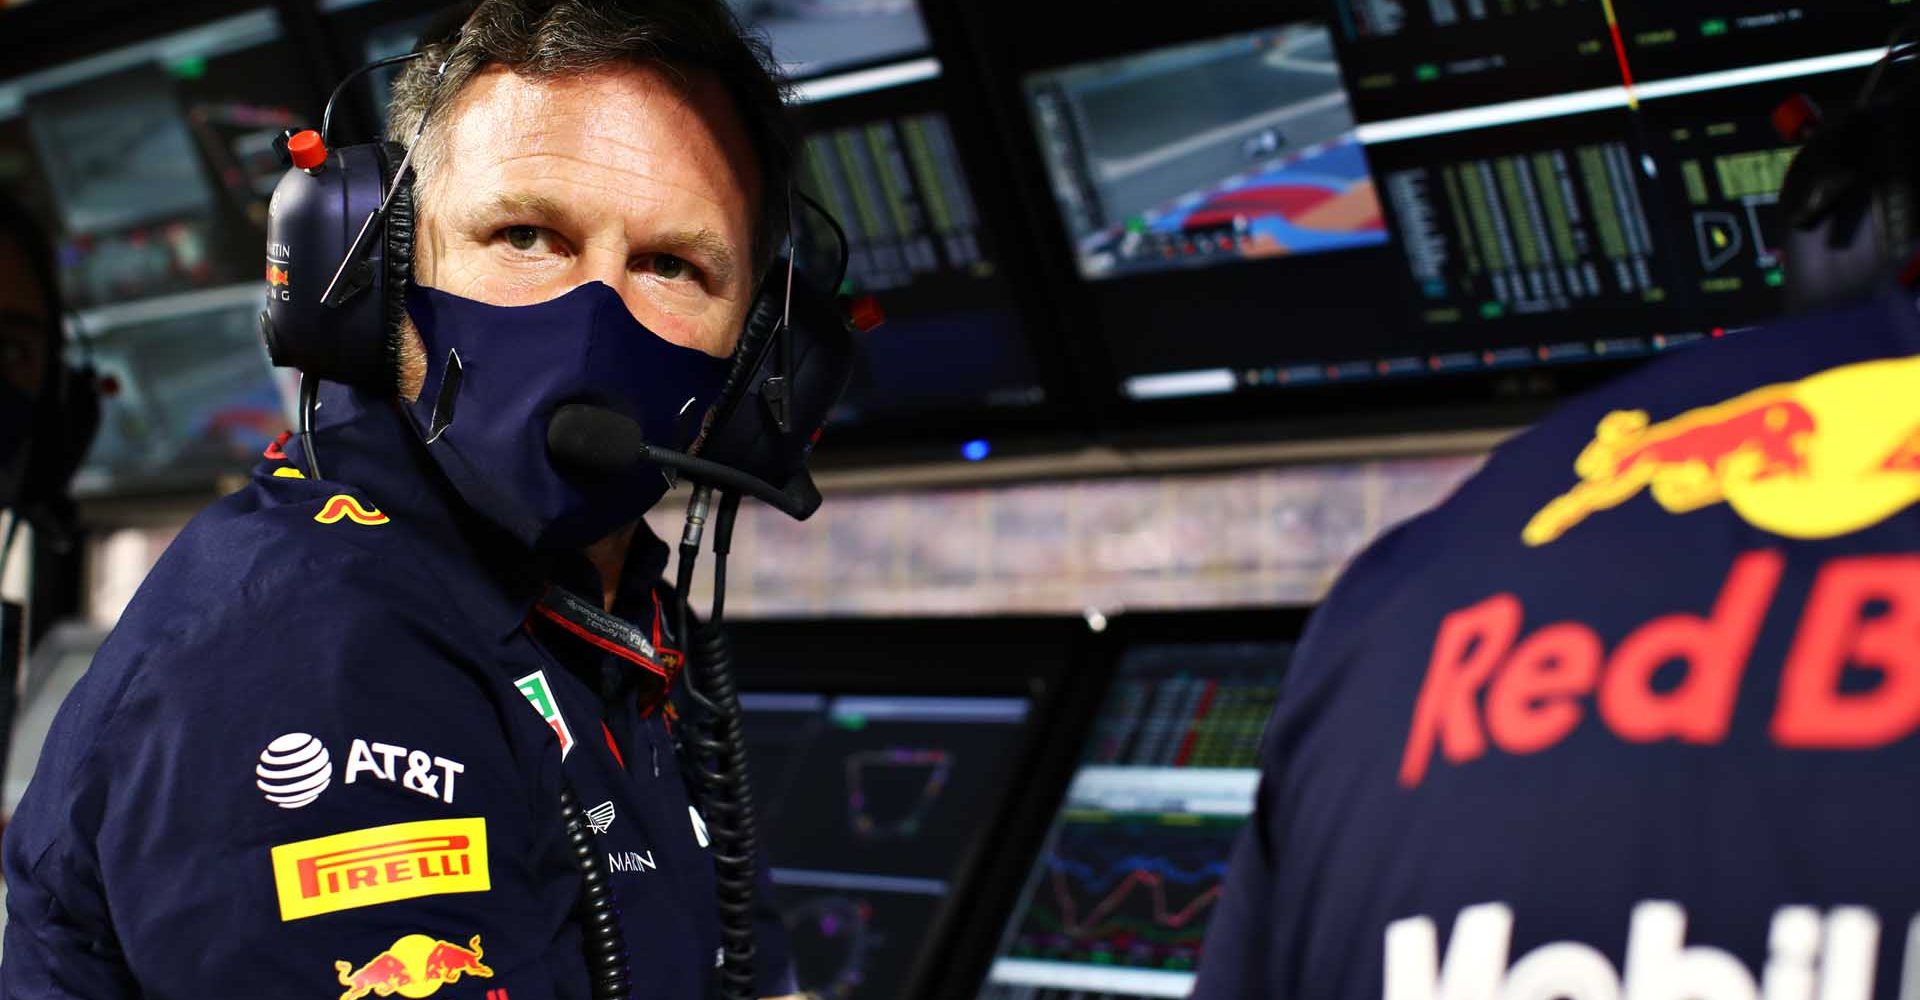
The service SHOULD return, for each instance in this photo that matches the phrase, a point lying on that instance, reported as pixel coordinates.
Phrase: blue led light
(976, 450)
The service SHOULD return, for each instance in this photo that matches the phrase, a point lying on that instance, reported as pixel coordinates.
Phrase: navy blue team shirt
(1631, 715)
(321, 755)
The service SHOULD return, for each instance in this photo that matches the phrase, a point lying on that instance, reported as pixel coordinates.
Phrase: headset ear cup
(750, 353)
(399, 256)
(745, 434)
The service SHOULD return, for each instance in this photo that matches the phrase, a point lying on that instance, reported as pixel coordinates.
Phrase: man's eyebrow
(537, 207)
(706, 246)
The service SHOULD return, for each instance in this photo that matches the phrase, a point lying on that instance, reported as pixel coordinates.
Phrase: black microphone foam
(595, 439)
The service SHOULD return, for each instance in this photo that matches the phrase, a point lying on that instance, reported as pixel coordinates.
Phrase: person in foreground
(323, 753)
(48, 409)
(1633, 714)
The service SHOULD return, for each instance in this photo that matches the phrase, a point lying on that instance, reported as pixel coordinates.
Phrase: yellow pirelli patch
(381, 864)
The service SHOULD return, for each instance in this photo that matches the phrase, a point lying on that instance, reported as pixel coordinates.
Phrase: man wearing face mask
(48, 413)
(324, 752)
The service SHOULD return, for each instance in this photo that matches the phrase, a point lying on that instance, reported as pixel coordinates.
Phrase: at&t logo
(294, 770)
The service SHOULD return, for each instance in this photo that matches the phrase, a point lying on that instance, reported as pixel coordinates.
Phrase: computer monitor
(884, 755)
(159, 156)
(1236, 148)
(871, 803)
(932, 247)
(188, 393)
(1410, 57)
(1609, 233)
(1117, 903)
(1407, 59)
(811, 38)
(118, 152)
(1721, 163)
(1557, 200)
(1662, 40)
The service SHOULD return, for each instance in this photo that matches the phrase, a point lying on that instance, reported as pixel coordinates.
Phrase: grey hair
(556, 38)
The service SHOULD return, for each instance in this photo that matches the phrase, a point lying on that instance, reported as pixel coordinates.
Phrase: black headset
(1851, 194)
(340, 241)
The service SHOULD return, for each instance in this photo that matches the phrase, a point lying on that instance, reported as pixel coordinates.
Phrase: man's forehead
(623, 102)
(641, 126)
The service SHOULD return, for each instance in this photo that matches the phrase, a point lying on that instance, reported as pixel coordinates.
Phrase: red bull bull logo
(1826, 456)
(341, 506)
(415, 966)
(277, 276)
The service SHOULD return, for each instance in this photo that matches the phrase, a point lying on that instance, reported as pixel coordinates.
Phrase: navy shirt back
(1632, 714)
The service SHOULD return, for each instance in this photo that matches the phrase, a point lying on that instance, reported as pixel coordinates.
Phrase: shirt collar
(366, 443)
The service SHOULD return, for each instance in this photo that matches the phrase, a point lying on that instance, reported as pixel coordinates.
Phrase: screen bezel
(971, 950)
(919, 435)
(1036, 658)
(1074, 32)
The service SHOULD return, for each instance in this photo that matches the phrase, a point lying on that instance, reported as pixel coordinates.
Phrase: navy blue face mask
(495, 376)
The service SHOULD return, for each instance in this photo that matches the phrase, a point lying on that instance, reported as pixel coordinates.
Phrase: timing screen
(1199, 154)
(953, 338)
(1118, 903)
(877, 801)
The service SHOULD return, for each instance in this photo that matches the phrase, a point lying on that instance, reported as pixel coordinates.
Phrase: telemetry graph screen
(1118, 903)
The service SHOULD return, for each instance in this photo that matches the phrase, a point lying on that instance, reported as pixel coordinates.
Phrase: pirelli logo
(381, 864)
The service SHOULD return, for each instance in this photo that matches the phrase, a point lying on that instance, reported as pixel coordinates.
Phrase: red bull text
(1489, 688)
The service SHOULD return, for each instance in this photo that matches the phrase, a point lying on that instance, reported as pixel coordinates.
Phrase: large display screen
(1613, 231)
(873, 805)
(813, 37)
(887, 166)
(1409, 57)
(158, 158)
(1553, 183)
(187, 390)
(118, 152)
(1118, 903)
(1230, 149)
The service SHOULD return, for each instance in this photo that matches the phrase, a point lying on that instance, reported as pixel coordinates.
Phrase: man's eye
(523, 237)
(670, 267)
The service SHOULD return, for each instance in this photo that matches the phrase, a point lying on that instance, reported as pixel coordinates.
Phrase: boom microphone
(599, 441)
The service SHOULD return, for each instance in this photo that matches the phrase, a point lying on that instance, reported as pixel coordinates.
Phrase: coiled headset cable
(604, 940)
(716, 739)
